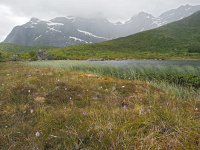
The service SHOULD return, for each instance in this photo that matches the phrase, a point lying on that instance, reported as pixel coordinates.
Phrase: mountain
(66, 31)
(179, 13)
(57, 32)
(179, 39)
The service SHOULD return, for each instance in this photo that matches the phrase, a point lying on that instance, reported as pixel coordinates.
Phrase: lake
(147, 62)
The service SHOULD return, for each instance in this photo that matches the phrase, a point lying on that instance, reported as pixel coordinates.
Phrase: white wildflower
(53, 136)
(31, 111)
(37, 134)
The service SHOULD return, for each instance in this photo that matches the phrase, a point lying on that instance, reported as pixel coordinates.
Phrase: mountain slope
(172, 39)
(58, 32)
(179, 13)
(175, 36)
(13, 48)
(66, 31)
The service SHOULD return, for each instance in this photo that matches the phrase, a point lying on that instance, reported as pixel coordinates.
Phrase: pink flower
(85, 113)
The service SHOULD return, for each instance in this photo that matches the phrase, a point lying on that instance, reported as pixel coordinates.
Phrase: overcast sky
(17, 12)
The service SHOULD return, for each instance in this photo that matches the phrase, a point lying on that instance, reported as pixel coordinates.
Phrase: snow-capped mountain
(65, 31)
(179, 13)
(57, 32)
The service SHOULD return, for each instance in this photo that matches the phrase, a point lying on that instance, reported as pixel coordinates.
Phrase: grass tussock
(44, 108)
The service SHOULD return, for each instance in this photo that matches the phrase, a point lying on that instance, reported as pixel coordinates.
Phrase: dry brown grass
(58, 109)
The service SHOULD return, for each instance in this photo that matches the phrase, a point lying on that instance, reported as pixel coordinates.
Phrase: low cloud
(9, 20)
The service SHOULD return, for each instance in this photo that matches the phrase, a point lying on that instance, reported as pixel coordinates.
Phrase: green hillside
(24, 52)
(176, 40)
(13, 48)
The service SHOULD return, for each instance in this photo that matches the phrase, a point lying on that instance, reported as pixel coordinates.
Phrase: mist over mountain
(66, 31)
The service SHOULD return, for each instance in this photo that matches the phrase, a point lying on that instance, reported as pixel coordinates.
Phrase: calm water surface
(195, 63)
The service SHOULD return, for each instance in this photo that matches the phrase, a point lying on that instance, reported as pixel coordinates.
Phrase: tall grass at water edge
(182, 81)
(185, 75)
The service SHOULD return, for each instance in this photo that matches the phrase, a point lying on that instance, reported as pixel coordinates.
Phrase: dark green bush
(194, 49)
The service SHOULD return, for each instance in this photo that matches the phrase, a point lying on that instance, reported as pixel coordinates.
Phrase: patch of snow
(188, 8)
(90, 34)
(38, 37)
(52, 29)
(181, 18)
(30, 26)
(33, 23)
(73, 19)
(118, 23)
(130, 21)
(142, 29)
(77, 39)
(158, 22)
(70, 17)
(55, 24)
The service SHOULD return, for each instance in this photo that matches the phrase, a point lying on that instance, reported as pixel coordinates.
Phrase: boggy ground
(43, 108)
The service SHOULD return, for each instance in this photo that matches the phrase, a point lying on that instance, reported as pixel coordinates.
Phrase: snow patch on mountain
(77, 39)
(30, 26)
(38, 37)
(52, 29)
(55, 24)
(90, 34)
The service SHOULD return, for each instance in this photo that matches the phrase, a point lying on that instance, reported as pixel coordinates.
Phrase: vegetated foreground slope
(178, 39)
(43, 108)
